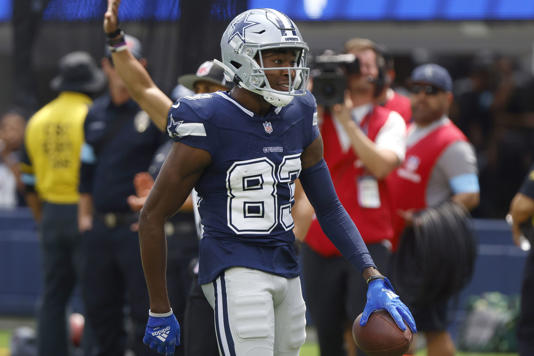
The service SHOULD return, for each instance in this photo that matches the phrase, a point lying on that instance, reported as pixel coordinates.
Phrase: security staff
(50, 167)
(120, 141)
(522, 214)
(440, 168)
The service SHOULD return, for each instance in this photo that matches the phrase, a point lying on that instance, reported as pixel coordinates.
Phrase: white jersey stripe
(190, 129)
(247, 111)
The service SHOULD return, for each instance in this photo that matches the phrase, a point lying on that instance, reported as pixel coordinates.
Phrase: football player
(242, 151)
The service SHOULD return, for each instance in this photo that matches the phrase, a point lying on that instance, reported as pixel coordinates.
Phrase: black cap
(78, 72)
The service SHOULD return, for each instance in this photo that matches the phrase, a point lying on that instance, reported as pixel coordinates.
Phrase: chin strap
(274, 99)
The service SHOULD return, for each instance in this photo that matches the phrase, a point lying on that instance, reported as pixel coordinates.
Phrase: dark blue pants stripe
(227, 330)
(217, 333)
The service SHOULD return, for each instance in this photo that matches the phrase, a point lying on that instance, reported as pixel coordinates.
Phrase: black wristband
(114, 34)
(372, 278)
(117, 40)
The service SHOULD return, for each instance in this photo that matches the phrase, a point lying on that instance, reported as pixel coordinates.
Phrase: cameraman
(363, 143)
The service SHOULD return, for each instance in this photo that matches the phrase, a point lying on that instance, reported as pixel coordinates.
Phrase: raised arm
(139, 83)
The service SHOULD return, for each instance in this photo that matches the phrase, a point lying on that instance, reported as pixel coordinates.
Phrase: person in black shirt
(120, 141)
(522, 216)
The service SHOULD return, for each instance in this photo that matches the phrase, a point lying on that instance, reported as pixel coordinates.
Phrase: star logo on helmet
(240, 26)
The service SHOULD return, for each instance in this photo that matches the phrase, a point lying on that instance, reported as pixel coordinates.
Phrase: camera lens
(329, 90)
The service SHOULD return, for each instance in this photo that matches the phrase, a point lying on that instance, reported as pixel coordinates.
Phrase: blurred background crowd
(485, 46)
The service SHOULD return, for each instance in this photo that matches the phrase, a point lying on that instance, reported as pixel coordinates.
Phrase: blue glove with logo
(162, 332)
(380, 295)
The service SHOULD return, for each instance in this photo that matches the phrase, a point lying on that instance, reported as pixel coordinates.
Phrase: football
(381, 336)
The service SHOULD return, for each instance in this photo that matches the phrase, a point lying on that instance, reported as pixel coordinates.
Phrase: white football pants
(257, 313)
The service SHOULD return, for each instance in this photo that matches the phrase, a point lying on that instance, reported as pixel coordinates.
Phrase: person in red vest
(385, 95)
(363, 143)
(440, 166)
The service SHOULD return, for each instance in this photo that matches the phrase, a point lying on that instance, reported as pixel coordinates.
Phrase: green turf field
(4, 338)
(307, 349)
(4, 342)
(312, 350)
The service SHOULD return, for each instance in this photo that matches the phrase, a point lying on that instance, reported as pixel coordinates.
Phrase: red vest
(408, 183)
(400, 104)
(373, 223)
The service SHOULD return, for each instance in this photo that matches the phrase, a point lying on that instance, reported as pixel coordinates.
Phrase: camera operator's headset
(381, 80)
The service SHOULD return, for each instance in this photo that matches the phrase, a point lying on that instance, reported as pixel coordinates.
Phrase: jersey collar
(250, 113)
(227, 97)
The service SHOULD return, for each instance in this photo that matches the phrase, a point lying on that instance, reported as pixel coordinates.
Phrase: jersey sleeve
(88, 155)
(459, 164)
(392, 136)
(188, 122)
(312, 131)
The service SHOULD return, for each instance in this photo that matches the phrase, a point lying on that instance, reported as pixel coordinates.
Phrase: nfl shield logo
(268, 127)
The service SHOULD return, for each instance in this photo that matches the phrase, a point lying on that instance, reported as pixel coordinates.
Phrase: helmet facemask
(298, 77)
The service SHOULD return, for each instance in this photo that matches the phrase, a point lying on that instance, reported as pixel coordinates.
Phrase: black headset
(381, 80)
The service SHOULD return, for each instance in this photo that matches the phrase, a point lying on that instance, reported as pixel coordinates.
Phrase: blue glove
(380, 295)
(162, 333)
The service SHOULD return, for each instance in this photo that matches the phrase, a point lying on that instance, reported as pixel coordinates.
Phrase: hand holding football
(381, 336)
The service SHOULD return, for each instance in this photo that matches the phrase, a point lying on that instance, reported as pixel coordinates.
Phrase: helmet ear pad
(381, 80)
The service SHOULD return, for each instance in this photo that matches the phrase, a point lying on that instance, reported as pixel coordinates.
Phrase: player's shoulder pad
(310, 105)
(189, 115)
(308, 100)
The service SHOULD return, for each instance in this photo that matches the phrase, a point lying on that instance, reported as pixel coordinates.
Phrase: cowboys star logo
(240, 26)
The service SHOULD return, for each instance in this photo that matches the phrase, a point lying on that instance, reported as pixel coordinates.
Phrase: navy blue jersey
(120, 141)
(247, 191)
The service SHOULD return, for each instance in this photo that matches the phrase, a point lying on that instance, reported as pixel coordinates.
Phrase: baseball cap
(432, 74)
(208, 71)
(78, 72)
(134, 46)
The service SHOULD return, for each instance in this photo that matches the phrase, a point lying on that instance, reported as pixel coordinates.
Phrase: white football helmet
(252, 32)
